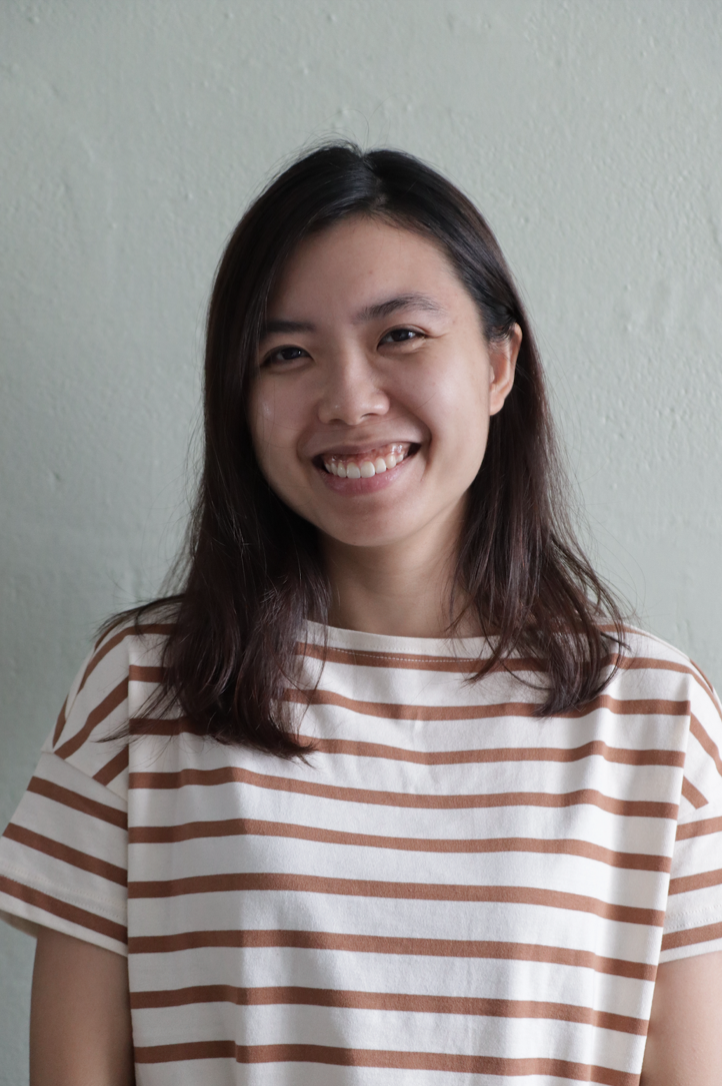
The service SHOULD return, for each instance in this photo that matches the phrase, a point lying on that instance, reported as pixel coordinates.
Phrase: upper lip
(353, 448)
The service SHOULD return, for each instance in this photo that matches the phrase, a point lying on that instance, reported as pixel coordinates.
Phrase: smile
(365, 465)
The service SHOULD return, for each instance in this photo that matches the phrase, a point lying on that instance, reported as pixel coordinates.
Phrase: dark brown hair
(251, 573)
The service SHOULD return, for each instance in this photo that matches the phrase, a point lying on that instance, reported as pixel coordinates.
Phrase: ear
(502, 367)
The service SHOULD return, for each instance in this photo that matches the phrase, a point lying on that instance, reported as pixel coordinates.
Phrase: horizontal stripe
(65, 911)
(692, 794)
(386, 1001)
(705, 742)
(699, 829)
(109, 703)
(467, 665)
(708, 933)
(429, 801)
(397, 711)
(475, 756)
(242, 827)
(244, 882)
(701, 881)
(68, 855)
(114, 767)
(402, 661)
(391, 1060)
(387, 944)
(77, 802)
(623, 756)
(140, 673)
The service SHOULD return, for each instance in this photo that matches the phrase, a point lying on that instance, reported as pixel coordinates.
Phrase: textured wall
(133, 135)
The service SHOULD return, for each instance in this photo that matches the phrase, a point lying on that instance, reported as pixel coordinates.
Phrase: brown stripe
(387, 1001)
(60, 723)
(429, 801)
(469, 664)
(148, 725)
(692, 794)
(363, 749)
(78, 803)
(700, 881)
(65, 853)
(396, 711)
(111, 643)
(623, 756)
(705, 742)
(110, 702)
(403, 661)
(692, 936)
(383, 944)
(141, 674)
(62, 909)
(244, 882)
(368, 1057)
(112, 768)
(232, 827)
(699, 829)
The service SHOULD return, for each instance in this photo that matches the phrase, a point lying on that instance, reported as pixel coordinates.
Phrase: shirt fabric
(449, 889)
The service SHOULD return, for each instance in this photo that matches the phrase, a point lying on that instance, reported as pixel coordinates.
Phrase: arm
(684, 1045)
(80, 1031)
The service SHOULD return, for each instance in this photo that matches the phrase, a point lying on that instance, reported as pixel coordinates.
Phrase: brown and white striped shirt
(450, 889)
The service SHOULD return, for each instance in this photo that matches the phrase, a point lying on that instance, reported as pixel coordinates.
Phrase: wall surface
(132, 136)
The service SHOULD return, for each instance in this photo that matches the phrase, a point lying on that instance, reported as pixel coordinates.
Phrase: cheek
(268, 418)
(454, 406)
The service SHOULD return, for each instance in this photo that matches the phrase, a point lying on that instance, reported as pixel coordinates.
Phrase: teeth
(347, 468)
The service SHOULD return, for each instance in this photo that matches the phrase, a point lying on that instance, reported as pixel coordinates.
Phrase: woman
(386, 793)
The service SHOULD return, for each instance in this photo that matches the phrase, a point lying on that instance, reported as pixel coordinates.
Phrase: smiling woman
(387, 791)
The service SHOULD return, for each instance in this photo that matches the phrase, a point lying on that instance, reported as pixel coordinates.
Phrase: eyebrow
(412, 300)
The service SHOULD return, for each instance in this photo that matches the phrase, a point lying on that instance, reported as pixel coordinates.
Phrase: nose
(351, 390)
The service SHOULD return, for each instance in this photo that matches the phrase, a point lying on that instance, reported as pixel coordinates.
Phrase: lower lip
(365, 486)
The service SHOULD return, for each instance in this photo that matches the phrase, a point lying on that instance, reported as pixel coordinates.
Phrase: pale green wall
(132, 136)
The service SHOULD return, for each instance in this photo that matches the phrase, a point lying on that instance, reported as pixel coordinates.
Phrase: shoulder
(646, 657)
(123, 668)
(656, 679)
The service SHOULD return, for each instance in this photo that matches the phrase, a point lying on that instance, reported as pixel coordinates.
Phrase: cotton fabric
(449, 889)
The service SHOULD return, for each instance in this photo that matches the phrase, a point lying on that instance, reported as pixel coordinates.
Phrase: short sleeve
(693, 922)
(63, 857)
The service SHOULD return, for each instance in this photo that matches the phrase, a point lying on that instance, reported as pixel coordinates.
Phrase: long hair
(252, 573)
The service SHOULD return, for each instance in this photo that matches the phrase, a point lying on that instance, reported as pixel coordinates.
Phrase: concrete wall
(133, 135)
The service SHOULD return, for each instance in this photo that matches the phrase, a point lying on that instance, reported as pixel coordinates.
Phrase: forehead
(359, 259)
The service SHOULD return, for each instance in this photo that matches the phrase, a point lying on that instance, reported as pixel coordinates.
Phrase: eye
(402, 335)
(283, 356)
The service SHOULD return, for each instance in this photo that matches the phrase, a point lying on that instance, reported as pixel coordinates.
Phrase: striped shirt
(449, 889)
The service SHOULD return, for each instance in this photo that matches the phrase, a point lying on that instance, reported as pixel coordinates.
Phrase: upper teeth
(347, 467)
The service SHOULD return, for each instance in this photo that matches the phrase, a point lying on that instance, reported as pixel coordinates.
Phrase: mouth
(366, 464)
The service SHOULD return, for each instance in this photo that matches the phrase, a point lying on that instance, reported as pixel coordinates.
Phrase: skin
(348, 365)
(80, 1032)
(335, 376)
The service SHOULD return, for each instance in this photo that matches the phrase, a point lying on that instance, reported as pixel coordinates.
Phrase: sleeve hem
(34, 906)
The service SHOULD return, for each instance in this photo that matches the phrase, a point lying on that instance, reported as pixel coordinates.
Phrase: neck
(402, 591)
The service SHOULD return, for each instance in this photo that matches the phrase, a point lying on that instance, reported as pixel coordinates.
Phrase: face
(375, 384)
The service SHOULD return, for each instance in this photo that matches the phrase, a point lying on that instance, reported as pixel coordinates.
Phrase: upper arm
(684, 1044)
(80, 1032)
